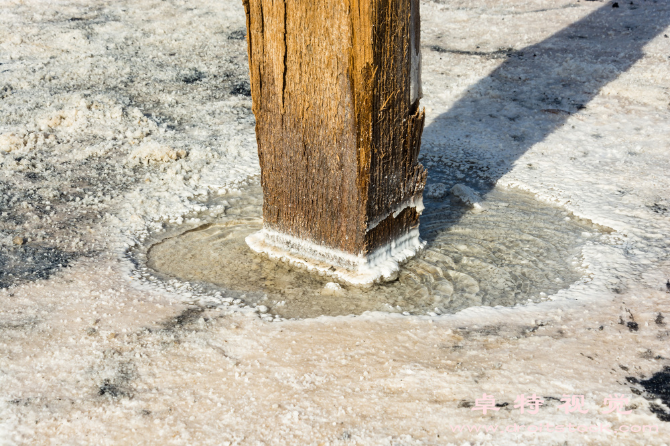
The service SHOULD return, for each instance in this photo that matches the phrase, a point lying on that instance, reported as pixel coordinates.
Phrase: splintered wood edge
(382, 265)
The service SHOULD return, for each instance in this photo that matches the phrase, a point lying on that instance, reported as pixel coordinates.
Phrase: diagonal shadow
(532, 94)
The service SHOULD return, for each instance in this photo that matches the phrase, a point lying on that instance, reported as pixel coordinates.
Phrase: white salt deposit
(10, 142)
(152, 151)
(332, 289)
(467, 196)
(527, 94)
(382, 264)
(435, 190)
(415, 201)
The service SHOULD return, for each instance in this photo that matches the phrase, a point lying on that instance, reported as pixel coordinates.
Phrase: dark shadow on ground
(656, 389)
(532, 94)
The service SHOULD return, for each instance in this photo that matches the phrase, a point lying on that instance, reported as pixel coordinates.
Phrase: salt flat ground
(116, 117)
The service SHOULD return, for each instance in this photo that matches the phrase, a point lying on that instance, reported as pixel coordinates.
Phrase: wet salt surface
(510, 249)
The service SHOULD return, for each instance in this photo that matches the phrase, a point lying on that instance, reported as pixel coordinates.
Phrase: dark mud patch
(238, 34)
(29, 263)
(120, 376)
(655, 389)
(241, 89)
(21, 325)
(658, 386)
(187, 317)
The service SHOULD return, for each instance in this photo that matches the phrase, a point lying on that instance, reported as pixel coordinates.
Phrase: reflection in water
(513, 250)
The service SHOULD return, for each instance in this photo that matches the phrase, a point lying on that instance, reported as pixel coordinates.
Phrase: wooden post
(336, 87)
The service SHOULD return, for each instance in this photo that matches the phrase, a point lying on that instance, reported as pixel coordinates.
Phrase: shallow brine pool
(510, 249)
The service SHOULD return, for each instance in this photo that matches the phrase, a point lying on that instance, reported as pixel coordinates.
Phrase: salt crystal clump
(153, 151)
(10, 142)
(332, 289)
(468, 196)
(436, 190)
(62, 118)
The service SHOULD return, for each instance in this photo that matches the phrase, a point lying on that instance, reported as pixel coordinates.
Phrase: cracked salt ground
(508, 249)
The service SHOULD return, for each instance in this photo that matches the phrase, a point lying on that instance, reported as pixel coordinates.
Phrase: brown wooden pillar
(336, 87)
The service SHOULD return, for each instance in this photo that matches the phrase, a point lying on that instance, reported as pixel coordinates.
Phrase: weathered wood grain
(336, 88)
